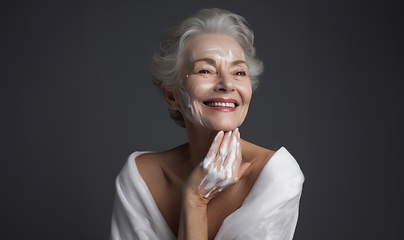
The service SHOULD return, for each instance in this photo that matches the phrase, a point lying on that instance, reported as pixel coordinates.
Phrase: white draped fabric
(270, 210)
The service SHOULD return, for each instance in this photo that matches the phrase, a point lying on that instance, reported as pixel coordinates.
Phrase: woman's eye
(204, 71)
(241, 73)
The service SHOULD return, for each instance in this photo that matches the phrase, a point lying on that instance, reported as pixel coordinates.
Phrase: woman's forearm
(193, 221)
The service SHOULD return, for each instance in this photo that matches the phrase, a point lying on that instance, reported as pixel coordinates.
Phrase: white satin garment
(270, 210)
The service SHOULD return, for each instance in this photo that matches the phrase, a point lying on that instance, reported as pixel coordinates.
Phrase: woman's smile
(222, 104)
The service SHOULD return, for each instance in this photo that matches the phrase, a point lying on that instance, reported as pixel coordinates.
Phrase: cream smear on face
(213, 52)
(195, 86)
(221, 167)
(192, 110)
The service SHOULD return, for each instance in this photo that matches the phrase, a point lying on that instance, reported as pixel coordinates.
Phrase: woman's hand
(221, 167)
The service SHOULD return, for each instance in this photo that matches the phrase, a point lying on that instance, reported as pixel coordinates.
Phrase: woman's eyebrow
(211, 61)
(237, 62)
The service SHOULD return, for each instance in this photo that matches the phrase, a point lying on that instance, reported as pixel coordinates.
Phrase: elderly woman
(216, 186)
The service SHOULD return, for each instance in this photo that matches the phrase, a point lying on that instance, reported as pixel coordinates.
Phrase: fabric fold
(270, 210)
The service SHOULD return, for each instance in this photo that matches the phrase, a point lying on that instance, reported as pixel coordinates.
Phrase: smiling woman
(216, 186)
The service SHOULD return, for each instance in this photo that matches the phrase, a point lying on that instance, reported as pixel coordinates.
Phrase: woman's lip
(225, 100)
(223, 109)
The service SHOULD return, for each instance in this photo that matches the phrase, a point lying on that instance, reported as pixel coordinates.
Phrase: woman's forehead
(215, 46)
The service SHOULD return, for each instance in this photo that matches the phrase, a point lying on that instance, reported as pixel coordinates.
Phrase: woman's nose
(225, 82)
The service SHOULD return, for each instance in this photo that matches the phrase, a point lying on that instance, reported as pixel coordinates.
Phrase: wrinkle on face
(217, 53)
(192, 108)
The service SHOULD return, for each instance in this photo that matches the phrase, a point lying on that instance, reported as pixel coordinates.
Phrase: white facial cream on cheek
(191, 110)
(191, 104)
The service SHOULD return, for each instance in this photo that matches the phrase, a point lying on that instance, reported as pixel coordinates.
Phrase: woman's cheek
(200, 89)
(187, 103)
(245, 90)
(190, 107)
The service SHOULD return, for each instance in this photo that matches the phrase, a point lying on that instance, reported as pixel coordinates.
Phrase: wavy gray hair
(167, 63)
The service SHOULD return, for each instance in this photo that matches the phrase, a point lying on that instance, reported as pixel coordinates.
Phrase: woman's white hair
(167, 64)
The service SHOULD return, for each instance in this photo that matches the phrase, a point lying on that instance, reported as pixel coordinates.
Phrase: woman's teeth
(221, 104)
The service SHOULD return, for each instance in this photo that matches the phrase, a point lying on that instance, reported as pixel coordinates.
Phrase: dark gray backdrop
(77, 99)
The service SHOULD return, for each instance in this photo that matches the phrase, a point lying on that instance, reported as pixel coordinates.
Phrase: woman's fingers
(223, 163)
(221, 152)
(213, 150)
(230, 159)
(214, 147)
(213, 164)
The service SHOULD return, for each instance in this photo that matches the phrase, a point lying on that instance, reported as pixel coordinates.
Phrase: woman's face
(215, 90)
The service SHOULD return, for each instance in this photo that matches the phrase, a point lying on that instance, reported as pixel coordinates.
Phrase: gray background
(77, 99)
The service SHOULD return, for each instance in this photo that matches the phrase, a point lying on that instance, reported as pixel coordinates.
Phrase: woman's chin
(227, 128)
(223, 126)
(217, 125)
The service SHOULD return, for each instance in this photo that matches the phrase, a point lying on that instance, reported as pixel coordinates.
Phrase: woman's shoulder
(277, 164)
(268, 165)
(156, 166)
(148, 162)
(151, 160)
(156, 169)
(281, 160)
(256, 154)
(258, 157)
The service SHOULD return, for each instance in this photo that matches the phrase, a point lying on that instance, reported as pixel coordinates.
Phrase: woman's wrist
(195, 201)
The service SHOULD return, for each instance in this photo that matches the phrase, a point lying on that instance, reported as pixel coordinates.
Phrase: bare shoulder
(258, 157)
(156, 168)
(256, 154)
(149, 165)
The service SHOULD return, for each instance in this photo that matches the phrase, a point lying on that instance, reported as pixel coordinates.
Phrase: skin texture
(216, 69)
(198, 184)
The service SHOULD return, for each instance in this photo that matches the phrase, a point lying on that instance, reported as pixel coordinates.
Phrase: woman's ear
(171, 98)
